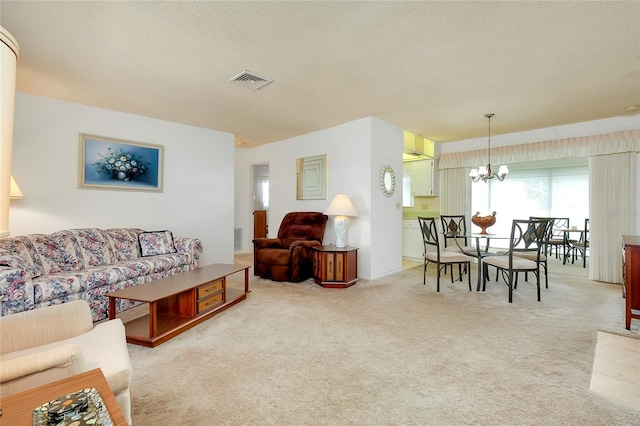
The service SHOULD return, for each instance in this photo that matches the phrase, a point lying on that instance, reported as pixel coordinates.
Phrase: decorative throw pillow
(155, 243)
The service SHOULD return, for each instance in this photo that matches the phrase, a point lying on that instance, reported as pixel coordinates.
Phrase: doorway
(260, 199)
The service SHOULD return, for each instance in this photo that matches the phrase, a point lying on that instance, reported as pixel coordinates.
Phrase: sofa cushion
(156, 242)
(55, 252)
(16, 262)
(124, 243)
(57, 286)
(22, 256)
(93, 247)
(98, 276)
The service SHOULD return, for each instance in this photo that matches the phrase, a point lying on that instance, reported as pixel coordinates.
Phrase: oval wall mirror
(387, 181)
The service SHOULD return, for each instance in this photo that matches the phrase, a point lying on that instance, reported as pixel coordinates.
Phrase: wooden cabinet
(631, 278)
(335, 267)
(422, 177)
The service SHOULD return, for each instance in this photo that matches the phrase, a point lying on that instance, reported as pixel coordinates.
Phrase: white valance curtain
(612, 187)
(585, 146)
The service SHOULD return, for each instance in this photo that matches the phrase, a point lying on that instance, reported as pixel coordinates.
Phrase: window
(542, 188)
(407, 198)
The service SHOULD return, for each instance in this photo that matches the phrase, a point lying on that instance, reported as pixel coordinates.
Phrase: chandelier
(483, 173)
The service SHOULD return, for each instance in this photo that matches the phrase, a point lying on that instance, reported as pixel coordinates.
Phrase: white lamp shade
(341, 205)
(14, 189)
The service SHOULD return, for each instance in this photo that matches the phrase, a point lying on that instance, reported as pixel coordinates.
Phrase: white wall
(198, 196)
(350, 170)
(386, 213)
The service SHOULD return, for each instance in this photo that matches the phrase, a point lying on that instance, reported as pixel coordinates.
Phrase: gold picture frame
(117, 164)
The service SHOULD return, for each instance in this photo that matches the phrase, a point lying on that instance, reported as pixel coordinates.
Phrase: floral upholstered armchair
(289, 257)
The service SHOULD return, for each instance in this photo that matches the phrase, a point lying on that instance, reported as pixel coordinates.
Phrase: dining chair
(527, 238)
(441, 258)
(532, 255)
(545, 249)
(454, 228)
(556, 235)
(581, 245)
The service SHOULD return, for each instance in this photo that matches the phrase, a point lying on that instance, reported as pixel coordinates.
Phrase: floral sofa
(38, 270)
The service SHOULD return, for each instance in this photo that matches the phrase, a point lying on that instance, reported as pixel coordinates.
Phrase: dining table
(567, 246)
(479, 253)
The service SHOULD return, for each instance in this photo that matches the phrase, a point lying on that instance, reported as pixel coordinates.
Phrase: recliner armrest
(260, 243)
(305, 244)
(30, 368)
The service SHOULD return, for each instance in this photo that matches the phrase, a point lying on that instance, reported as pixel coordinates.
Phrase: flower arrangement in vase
(121, 165)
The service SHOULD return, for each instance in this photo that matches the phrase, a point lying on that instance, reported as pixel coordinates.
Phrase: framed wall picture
(107, 163)
(311, 178)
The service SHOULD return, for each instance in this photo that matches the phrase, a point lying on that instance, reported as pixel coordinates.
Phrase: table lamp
(341, 207)
(14, 190)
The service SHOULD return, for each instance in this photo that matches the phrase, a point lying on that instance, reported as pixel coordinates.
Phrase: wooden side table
(17, 409)
(335, 267)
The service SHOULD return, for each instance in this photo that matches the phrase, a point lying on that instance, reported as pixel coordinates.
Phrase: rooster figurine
(483, 221)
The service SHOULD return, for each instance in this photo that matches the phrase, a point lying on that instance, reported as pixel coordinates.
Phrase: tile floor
(616, 368)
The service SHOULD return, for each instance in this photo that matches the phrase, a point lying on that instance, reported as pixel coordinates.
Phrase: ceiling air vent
(250, 80)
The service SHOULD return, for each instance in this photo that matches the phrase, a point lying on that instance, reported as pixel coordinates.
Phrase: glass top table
(479, 253)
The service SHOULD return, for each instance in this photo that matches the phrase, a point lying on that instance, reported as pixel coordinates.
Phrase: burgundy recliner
(289, 257)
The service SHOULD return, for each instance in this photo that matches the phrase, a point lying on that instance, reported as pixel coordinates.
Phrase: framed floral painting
(107, 163)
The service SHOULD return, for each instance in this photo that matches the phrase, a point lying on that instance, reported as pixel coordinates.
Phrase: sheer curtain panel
(455, 193)
(612, 208)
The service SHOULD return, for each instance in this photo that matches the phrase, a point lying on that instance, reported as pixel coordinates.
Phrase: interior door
(259, 224)
(260, 199)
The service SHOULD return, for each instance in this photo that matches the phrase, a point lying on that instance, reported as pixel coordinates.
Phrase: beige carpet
(389, 352)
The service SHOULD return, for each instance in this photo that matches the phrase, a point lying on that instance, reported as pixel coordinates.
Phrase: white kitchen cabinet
(412, 246)
(422, 177)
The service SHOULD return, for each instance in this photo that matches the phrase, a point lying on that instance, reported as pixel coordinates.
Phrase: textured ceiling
(434, 68)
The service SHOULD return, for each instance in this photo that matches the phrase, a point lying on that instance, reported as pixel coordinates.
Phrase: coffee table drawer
(209, 303)
(209, 288)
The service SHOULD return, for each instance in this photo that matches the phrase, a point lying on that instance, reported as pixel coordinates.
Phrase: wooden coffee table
(17, 409)
(179, 302)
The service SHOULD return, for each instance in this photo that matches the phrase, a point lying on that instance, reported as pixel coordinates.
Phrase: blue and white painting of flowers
(120, 164)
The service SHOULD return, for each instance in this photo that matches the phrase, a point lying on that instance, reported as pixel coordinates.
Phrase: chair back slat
(452, 227)
(528, 236)
(559, 224)
(429, 232)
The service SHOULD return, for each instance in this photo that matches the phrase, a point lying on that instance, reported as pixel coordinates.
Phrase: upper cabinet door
(422, 178)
